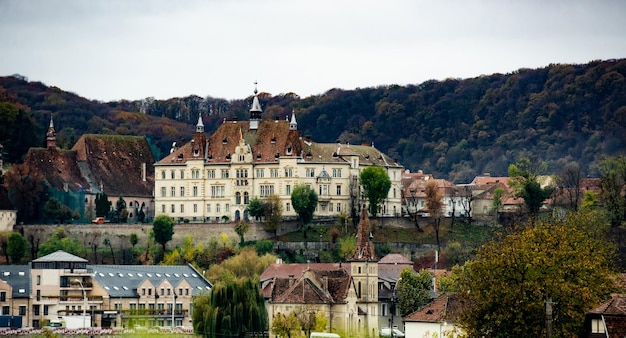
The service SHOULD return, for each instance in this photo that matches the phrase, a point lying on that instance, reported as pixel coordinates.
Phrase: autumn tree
(241, 229)
(286, 325)
(504, 289)
(246, 264)
(59, 241)
(231, 309)
(163, 228)
(612, 184)
(569, 179)
(17, 246)
(413, 290)
(347, 245)
(524, 179)
(304, 202)
(272, 211)
(376, 185)
(434, 204)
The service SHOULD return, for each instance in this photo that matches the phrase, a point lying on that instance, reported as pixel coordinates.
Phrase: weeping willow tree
(231, 309)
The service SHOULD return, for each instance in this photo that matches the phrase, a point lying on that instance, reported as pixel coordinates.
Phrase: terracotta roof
(364, 250)
(296, 269)
(116, 162)
(615, 306)
(483, 180)
(312, 287)
(443, 308)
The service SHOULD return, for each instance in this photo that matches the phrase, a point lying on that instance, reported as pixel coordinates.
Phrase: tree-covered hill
(454, 129)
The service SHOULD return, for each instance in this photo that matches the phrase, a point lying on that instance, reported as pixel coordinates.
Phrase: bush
(264, 246)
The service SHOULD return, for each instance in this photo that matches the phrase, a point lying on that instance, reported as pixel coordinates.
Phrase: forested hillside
(454, 129)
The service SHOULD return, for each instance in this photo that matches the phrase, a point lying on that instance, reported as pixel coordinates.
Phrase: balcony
(153, 313)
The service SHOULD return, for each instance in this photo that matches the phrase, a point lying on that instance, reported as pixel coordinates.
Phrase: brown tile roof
(615, 306)
(115, 162)
(59, 168)
(443, 308)
(364, 250)
(613, 313)
(312, 287)
(394, 258)
(484, 180)
(274, 139)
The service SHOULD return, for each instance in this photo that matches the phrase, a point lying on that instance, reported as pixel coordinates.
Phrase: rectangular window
(182, 191)
(266, 190)
(336, 172)
(217, 207)
(274, 172)
(172, 174)
(288, 189)
(330, 207)
(182, 174)
(227, 208)
(225, 173)
(597, 326)
(5, 310)
(210, 173)
(260, 173)
(195, 208)
(338, 190)
(143, 291)
(162, 208)
(173, 191)
(162, 174)
(310, 172)
(173, 209)
(36, 310)
(38, 280)
(208, 208)
(22, 310)
(288, 172)
(3, 296)
(218, 191)
(182, 208)
(163, 191)
(338, 207)
(45, 310)
(288, 207)
(195, 191)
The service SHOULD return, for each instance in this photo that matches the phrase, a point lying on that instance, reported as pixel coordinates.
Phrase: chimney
(487, 174)
(291, 280)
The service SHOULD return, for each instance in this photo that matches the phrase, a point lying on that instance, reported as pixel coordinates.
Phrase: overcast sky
(115, 49)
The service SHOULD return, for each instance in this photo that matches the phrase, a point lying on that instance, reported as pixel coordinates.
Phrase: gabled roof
(615, 306)
(59, 256)
(18, 276)
(394, 258)
(443, 308)
(115, 162)
(123, 280)
(312, 287)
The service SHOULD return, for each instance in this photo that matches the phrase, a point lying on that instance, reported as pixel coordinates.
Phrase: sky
(110, 50)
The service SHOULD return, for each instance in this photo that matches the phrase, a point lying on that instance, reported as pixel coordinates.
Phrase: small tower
(51, 136)
(199, 140)
(255, 111)
(293, 125)
(200, 125)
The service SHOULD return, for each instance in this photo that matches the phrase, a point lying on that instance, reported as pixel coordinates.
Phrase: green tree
(163, 228)
(134, 239)
(590, 201)
(255, 208)
(241, 229)
(304, 202)
(56, 211)
(413, 290)
(376, 185)
(103, 205)
(16, 247)
(59, 241)
(524, 179)
(231, 309)
(505, 288)
(347, 245)
(272, 211)
(612, 184)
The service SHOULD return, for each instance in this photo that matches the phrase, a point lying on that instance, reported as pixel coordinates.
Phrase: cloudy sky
(132, 49)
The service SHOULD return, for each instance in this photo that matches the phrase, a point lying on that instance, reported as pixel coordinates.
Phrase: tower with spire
(255, 111)
(364, 266)
(293, 125)
(51, 136)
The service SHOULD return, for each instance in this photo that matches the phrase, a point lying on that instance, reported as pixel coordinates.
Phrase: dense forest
(454, 128)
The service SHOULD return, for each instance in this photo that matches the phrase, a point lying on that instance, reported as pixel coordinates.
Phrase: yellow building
(212, 178)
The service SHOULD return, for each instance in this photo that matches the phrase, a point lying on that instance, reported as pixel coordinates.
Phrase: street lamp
(84, 299)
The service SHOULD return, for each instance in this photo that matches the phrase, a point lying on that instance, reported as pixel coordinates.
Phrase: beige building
(212, 178)
(111, 295)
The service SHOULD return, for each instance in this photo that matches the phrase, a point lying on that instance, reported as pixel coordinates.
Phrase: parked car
(386, 332)
(98, 220)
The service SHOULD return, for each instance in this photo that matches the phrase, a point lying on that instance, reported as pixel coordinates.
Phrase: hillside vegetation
(454, 129)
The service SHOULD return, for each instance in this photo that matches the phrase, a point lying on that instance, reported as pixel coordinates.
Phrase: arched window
(246, 198)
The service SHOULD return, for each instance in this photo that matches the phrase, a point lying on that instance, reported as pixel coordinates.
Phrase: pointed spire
(199, 125)
(255, 111)
(51, 135)
(293, 125)
(364, 250)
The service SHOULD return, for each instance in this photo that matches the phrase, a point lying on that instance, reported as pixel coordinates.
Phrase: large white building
(212, 178)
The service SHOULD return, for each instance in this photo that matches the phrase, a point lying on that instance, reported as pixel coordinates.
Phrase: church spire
(364, 251)
(51, 135)
(255, 111)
